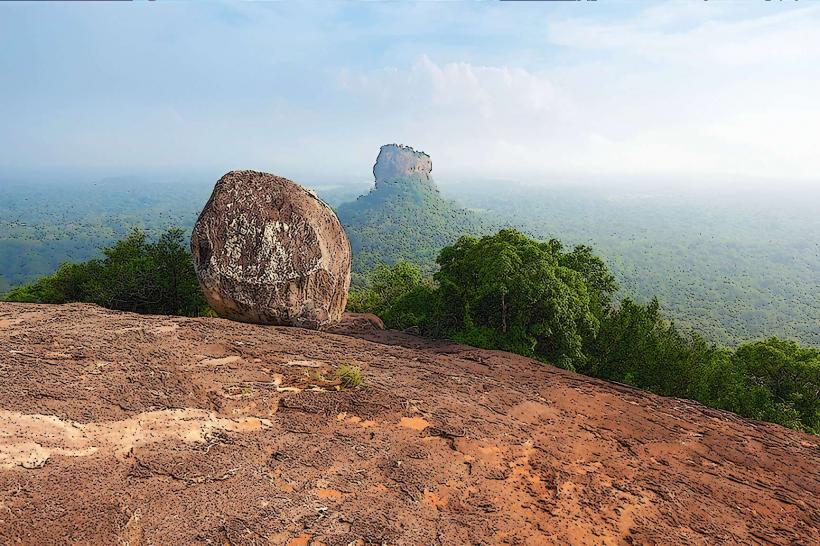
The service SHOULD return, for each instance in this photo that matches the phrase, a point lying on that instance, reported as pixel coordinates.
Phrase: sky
(530, 91)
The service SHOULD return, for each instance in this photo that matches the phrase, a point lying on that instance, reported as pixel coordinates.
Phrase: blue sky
(527, 91)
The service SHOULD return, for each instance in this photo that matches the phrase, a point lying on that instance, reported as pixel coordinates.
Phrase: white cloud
(493, 92)
(526, 91)
(666, 92)
(690, 33)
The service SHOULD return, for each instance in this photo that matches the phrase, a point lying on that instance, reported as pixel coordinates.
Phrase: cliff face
(396, 162)
(118, 428)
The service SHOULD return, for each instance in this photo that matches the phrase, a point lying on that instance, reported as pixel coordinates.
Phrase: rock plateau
(118, 428)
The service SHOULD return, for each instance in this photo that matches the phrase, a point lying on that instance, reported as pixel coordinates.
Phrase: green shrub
(133, 275)
(515, 293)
(350, 376)
(397, 294)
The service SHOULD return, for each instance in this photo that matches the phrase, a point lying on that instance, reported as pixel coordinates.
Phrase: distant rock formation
(396, 161)
(404, 216)
(268, 251)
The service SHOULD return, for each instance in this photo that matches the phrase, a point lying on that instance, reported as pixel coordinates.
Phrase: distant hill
(404, 216)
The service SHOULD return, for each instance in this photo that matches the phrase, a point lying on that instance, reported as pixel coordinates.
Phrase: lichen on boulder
(268, 251)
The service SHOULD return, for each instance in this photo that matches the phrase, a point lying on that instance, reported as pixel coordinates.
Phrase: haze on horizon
(675, 92)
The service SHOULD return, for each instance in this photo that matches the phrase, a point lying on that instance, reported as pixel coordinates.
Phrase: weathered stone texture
(268, 251)
(397, 161)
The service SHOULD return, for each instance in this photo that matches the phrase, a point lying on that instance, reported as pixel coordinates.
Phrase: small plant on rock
(349, 376)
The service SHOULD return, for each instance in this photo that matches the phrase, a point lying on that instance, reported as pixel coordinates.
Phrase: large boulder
(268, 251)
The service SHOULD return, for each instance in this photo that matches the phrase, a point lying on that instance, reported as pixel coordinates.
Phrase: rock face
(396, 161)
(268, 251)
(179, 431)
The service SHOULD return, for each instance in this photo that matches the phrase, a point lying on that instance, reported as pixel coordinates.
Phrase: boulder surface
(268, 251)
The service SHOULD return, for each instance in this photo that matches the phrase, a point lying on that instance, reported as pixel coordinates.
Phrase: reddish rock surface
(268, 251)
(118, 428)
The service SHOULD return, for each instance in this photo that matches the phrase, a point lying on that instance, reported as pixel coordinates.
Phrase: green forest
(44, 223)
(134, 274)
(733, 267)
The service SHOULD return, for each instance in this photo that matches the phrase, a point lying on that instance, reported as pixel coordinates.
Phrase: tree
(509, 291)
(636, 345)
(176, 285)
(600, 282)
(399, 295)
(788, 376)
(133, 275)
